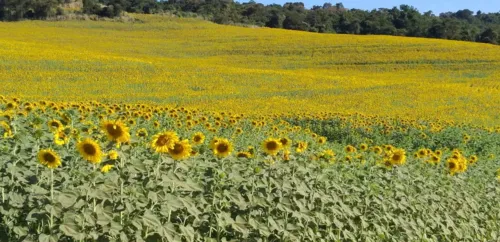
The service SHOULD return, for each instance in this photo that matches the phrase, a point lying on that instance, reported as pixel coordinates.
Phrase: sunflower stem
(51, 198)
(93, 184)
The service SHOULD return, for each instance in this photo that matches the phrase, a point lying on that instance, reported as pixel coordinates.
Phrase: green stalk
(51, 197)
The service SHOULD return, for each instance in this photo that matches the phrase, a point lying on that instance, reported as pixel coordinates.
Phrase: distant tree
(489, 36)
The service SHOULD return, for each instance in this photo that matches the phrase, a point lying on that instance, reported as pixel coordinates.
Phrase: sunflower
(434, 159)
(107, 168)
(301, 147)
(55, 125)
(397, 157)
(116, 131)
(90, 151)
(438, 152)
(322, 140)
(142, 132)
(422, 153)
(222, 148)
(181, 150)
(388, 148)
(60, 138)
(162, 142)
(244, 155)
(198, 138)
(363, 147)
(7, 129)
(473, 159)
(286, 155)
(285, 142)
(272, 146)
(113, 155)
(49, 158)
(350, 149)
(212, 143)
(377, 150)
(251, 150)
(452, 165)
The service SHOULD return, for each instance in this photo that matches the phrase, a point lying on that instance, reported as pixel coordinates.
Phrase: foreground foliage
(91, 171)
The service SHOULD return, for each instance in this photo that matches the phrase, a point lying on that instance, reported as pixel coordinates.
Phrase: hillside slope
(203, 65)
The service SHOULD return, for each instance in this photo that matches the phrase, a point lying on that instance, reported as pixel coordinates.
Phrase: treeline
(401, 21)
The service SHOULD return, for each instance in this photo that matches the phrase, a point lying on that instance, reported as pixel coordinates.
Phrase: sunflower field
(170, 129)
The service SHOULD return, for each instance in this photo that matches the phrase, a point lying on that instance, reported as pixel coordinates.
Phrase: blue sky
(436, 6)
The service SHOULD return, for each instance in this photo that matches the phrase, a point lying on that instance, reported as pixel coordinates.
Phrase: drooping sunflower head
(107, 168)
(271, 146)
(222, 148)
(181, 150)
(49, 158)
(116, 131)
(90, 151)
(198, 138)
(244, 155)
(164, 141)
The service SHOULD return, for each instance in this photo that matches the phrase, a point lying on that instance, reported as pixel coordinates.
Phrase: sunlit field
(221, 68)
(170, 129)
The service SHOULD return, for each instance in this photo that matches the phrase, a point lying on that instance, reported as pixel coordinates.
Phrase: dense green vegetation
(403, 21)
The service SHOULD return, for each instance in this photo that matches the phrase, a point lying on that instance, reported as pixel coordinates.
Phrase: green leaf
(47, 238)
(66, 199)
(71, 230)
(150, 220)
(187, 232)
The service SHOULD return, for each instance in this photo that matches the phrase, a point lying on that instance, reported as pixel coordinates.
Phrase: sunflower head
(285, 142)
(350, 149)
(49, 158)
(363, 147)
(142, 132)
(55, 125)
(90, 151)
(116, 131)
(322, 140)
(398, 157)
(113, 155)
(377, 150)
(198, 138)
(164, 141)
(452, 165)
(107, 168)
(222, 148)
(272, 146)
(181, 150)
(244, 155)
(301, 147)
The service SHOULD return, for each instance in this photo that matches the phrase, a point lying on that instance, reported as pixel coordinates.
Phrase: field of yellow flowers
(170, 129)
(199, 64)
